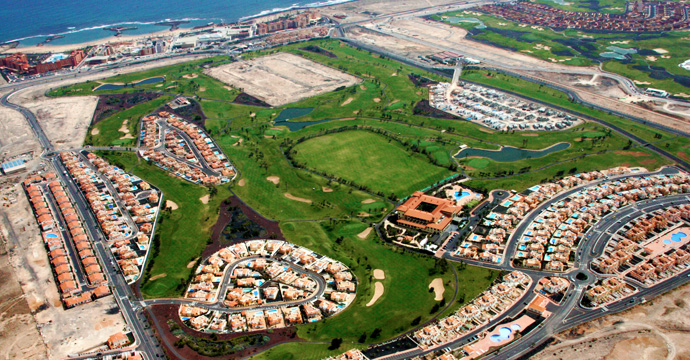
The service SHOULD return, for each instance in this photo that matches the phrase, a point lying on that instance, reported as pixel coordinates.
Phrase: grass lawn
(407, 278)
(185, 78)
(371, 160)
(300, 350)
(182, 233)
(108, 129)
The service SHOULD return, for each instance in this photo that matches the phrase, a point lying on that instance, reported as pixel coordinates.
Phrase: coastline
(264, 15)
(110, 39)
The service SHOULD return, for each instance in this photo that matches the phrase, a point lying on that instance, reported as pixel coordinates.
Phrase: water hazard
(509, 153)
(148, 81)
(284, 117)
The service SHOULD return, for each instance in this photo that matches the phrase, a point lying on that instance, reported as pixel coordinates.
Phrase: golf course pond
(148, 81)
(509, 153)
(283, 119)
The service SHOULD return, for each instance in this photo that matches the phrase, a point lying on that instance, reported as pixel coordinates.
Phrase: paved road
(217, 305)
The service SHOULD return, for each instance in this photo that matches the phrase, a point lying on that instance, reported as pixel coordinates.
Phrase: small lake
(455, 20)
(284, 117)
(148, 81)
(509, 153)
(617, 53)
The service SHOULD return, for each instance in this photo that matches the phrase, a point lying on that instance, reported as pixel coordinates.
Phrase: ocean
(31, 22)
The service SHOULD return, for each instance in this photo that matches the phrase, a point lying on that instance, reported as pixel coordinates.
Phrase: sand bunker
(190, 76)
(274, 179)
(282, 78)
(292, 197)
(349, 100)
(171, 205)
(326, 189)
(125, 130)
(378, 291)
(192, 263)
(204, 199)
(158, 276)
(364, 233)
(376, 100)
(201, 89)
(95, 131)
(661, 50)
(379, 274)
(241, 182)
(362, 87)
(368, 201)
(437, 285)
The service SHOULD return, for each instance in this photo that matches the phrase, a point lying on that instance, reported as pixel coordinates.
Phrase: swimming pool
(459, 195)
(504, 333)
(51, 236)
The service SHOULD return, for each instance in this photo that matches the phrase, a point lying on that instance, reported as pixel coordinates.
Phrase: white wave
(295, 7)
(74, 30)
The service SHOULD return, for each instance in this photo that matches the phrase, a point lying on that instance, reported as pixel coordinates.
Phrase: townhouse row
(76, 269)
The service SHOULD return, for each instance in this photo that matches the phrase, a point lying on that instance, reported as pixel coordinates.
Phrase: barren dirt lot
(282, 78)
(658, 329)
(17, 136)
(399, 46)
(64, 120)
(19, 338)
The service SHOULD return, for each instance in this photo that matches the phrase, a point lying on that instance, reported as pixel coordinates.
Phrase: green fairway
(107, 131)
(407, 278)
(181, 234)
(371, 160)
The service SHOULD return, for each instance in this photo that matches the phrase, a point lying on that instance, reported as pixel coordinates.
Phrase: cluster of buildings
(487, 241)
(553, 287)
(608, 290)
(353, 354)
(125, 207)
(296, 21)
(639, 16)
(650, 249)
(487, 306)
(496, 109)
(553, 235)
(184, 149)
(268, 284)
(19, 63)
(420, 217)
(66, 242)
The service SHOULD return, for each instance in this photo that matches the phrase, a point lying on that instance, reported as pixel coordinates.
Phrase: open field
(282, 78)
(177, 80)
(655, 330)
(17, 136)
(370, 159)
(67, 118)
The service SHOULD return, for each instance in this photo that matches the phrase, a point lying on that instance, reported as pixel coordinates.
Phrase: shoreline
(266, 14)
(34, 49)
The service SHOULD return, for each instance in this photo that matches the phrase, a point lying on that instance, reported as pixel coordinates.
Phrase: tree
(416, 321)
(335, 343)
(376, 333)
(362, 338)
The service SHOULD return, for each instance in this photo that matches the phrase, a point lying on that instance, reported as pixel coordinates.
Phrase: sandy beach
(111, 39)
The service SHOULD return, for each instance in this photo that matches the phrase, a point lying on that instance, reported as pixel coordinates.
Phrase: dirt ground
(282, 78)
(400, 46)
(19, 337)
(17, 137)
(657, 329)
(356, 11)
(64, 120)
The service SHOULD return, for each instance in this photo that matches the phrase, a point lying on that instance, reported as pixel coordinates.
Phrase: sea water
(31, 22)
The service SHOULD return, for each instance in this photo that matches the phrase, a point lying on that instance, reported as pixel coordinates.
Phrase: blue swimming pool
(678, 237)
(459, 195)
(51, 236)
